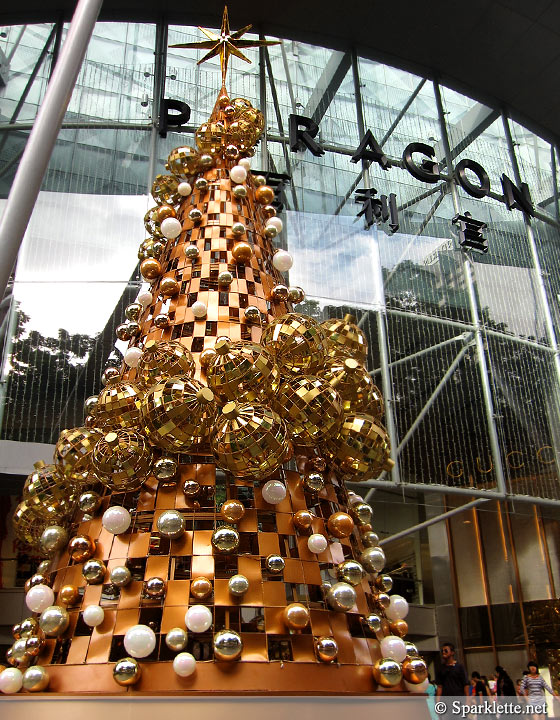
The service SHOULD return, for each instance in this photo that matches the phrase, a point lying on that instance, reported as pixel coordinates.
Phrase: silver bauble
(35, 679)
(120, 576)
(238, 585)
(54, 620)
(341, 596)
(176, 639)
(373, 559)
(171, 524)
(227, 645)
(53, 538)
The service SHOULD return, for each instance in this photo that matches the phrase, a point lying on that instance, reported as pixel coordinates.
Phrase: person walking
(504, 684)
(533, 686)
(451, 678)
(479, 687)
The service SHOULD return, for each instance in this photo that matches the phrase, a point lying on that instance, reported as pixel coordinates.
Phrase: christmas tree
(198, 532)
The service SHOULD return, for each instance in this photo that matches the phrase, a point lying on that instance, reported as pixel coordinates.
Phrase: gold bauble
(354, 385)
(150, 268)
(36, 579)
(48, 492)
(183, 162)
(311, 409)
(383, 600)
(225, 278)
(387, 672)
(19, 657)
(351, 572)
(119, 405)
(296, 295)
(28, 525)
(89, 501)
(127, 672)
(161, 321)
(35, 643)
(369, 538)
(275, 564)
(373, 559)
(242, 251)
(414, 670)
(163, 212)
(54, 620)
(206, 161)
(177, 413)
(231, 152)
(399, 627)
(362, 512)
(269, 211)
(297, 342)
(81, 548)
(361, 449)
(279, 293)
(69, 595)
(151, 223)
(206, 358)
(169, 287)
(296, 616)
(165, 470)
(227, 645)
(162, 360)
(225, 539)
(154, 588)
(313, 482)
(252, 315)
(411, 649)
(110, 374)
(35, 679)
(53, 538)
(232, 511)
(326, 648)
(94, 572)
(122, 460)
(346, 337)
(201, 588)
(171, 524)
(28, 627)
(210, 137)
(191, 488)
(242, 371)
(373, 623)
(303, 519)
(192, 252)
(238, 229)
(340, 525)
(249, 440)
(384, 582)
(264, 195)
(165, 190)
(239, 191)
(201, 184)
(73, 453)
(341, 596)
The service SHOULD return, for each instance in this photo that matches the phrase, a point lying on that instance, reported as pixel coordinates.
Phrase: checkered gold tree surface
(197, 530)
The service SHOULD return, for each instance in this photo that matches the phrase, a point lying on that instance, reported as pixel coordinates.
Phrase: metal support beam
(463, 338)
(403, 111)
(327, 86)
(42, 139)
(288, 76)
(433, 521)
(160, 61)
(473, 305)
(433, 397)
(473, 123)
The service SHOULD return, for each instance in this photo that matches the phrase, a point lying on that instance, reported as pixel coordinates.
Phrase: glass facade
(464, 345)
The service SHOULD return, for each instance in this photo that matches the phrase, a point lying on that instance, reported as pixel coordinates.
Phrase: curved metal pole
(42, 138)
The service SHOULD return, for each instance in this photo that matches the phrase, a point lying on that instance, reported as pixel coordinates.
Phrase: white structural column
(42, 138)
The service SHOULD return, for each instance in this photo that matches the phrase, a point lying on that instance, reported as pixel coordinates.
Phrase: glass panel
(552, 531)
(497, 554)
(548, 249)
(469, 572)
(525, 390)
(481, 661)
(530, 553)
(506, 621)
(535, 160)
(475, 626)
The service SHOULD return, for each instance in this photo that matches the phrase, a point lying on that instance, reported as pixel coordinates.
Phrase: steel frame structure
(473, 333)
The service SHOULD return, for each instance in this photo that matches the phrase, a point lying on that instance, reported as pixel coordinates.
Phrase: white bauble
(184, 664)
(145, 298)
(171, 228)
(184, 189)
(11, 681)
(398, 608)
(393, 647)
(132, 356)
(39, 598)
(276, 222)
(199, 309)
(273, 492)
(317, 543)
(420, 688)
(238, 174)
(93, 615)
(198, 618)
(282, 260)
(116, 519)
(245, 163)
(139, 641)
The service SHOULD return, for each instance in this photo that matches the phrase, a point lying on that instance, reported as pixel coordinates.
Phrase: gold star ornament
(225, 44)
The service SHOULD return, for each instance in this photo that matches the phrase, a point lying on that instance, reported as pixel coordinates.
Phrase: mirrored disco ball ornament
(249, 440)
(242, 371)
(354, 385)
(183, 162)
(28, 525)
(177, 413)
(361, 449)
(48, 492)
(119, 405)
(165, 190)
(311, 409)
(297, 342)
(162, 360)
(122, 460)
(73, 453)
(346, 337)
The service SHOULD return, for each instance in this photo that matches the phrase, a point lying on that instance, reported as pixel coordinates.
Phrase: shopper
(451, 678)
(504, 684)
(533, 686)
(479, 687)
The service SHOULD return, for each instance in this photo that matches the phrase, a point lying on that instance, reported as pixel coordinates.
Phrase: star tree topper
(225, 44)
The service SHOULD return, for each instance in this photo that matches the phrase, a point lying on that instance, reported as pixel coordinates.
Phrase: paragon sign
(303, 130)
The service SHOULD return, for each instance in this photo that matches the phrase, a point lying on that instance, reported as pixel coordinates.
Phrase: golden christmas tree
(198, 532)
